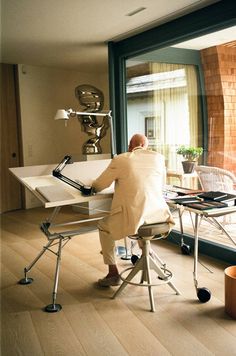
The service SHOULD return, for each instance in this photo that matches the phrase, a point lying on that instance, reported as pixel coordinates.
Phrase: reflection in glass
(163, 103)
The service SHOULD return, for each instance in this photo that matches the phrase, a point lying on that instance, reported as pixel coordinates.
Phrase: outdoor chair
(217, 179)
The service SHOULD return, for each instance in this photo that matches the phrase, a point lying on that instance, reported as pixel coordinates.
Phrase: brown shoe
(109, 281)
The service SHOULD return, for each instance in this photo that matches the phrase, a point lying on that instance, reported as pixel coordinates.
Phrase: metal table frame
(203, 293)
(32, 177)
(59, 240)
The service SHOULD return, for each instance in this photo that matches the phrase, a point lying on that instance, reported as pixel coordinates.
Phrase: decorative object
(92, 99)
(191, 154)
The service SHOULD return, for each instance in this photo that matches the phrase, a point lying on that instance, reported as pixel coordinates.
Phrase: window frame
(204, 21)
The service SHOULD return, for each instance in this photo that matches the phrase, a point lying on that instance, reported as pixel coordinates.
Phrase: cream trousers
(107, 239)
(108, 247)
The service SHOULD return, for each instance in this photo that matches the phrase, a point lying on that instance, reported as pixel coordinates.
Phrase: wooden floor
(90, 322)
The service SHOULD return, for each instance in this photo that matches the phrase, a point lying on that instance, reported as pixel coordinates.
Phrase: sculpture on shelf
(93, 100)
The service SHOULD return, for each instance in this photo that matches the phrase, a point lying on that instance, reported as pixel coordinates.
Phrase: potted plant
(191, 154)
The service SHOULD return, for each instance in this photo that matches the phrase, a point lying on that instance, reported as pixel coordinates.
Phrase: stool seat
(153, 229)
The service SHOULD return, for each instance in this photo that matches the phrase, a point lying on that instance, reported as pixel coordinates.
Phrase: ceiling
(73, 34)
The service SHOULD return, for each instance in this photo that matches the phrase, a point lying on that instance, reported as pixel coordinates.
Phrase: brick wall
(219, 66)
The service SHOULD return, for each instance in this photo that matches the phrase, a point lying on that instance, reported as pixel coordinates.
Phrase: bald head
(138, 140)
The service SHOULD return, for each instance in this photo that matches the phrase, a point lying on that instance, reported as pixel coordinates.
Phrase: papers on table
(54, 193)
(205, 200)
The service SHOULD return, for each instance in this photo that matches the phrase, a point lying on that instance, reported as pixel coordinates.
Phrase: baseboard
(208, 248)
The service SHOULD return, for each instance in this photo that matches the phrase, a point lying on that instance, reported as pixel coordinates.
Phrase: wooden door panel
(11, 197)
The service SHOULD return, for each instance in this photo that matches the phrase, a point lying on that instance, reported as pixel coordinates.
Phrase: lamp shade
(62, 115)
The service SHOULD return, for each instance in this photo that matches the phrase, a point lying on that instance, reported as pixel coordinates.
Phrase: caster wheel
(186, 249)
(134, 259)
(203, 294)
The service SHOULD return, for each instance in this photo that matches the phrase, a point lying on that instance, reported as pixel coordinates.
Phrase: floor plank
(132, 333)
(55, 334)
(93, 332)
(19, 336)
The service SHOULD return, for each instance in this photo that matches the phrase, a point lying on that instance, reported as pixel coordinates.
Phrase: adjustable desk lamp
(91, 128)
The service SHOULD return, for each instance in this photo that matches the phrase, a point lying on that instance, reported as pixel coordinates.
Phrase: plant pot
(188, 166)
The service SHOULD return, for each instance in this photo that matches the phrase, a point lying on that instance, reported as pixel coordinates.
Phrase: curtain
(176, 109)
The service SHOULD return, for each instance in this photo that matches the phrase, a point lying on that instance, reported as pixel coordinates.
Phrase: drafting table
(203, 293)
(36, 179)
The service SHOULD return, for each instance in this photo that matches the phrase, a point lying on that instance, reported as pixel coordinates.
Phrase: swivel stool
(148, 261)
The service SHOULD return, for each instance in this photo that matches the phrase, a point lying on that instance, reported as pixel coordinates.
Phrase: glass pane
(163, 103)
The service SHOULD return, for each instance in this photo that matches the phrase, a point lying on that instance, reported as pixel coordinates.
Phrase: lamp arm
(70, 113)
(85, 190)
(73, 113)
(111, 135)
(67, 159)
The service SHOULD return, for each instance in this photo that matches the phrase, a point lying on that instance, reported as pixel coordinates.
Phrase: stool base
(145, 264)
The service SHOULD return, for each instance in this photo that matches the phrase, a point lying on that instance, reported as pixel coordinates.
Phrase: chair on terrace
(217, 179)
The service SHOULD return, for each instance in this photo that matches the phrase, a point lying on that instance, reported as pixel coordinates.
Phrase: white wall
(43, 91)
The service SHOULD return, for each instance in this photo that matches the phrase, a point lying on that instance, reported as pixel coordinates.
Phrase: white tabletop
(33, 177)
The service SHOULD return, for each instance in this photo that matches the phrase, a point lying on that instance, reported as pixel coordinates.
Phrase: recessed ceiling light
(132, 13)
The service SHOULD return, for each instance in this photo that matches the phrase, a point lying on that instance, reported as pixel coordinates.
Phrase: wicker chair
(217, 179)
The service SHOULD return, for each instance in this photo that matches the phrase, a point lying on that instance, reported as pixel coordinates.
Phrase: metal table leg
(127, 255)
(186, 249)
(27, 280)
(203, 293)
(52, 308)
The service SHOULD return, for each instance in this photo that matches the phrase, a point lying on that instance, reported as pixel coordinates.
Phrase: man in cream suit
(139, 176)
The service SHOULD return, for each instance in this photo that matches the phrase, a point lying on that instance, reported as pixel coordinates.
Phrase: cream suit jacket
(138, 198)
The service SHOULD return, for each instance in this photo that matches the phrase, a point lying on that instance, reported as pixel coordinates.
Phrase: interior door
(11, 196)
